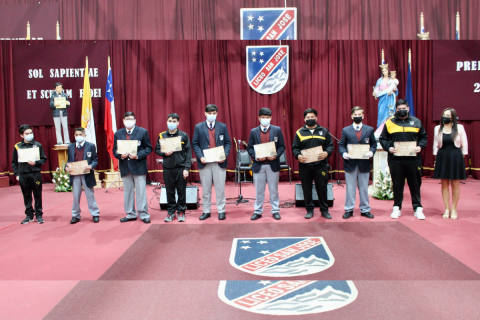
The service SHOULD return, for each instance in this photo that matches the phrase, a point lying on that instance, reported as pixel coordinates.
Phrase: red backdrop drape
(154, 78)
(220, 19)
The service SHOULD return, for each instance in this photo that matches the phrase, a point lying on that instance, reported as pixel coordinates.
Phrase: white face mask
(265, 122)
(28, 137)
(211, 117)
(129, 123)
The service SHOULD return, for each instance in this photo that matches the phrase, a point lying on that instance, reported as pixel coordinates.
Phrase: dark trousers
(409, 169)
(174, 181)
(319, 174)
(32, 183)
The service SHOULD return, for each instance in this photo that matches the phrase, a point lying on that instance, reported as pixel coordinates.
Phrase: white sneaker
(419, 214)
(395, 213)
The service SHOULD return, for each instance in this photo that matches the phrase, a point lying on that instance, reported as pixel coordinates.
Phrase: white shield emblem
(220, 137)
(281, 257)
(411, 122)
(367, 140)
(275, 139)
(89, 154)
(284, 297)
(139, 143)
(321, 133)
(267, 68)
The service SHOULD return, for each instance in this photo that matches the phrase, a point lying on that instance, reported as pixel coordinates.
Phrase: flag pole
(28, 30)
(457, 22)
(58, 30)
(383, 56)
(410, 57)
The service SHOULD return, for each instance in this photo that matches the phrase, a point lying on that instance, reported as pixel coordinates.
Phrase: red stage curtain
(220, 19)
(154, 78)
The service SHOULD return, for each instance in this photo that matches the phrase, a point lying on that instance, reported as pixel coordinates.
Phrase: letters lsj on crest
(267, 68)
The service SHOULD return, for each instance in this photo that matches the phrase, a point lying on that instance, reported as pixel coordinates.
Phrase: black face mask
(357, 120)
(446, 120)
(310, 122)
(402, 113)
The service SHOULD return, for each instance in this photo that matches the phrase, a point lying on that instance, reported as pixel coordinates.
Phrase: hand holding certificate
(28, 154)
(78, 168)
(214, 154)
(171, 144)
(312, 154)
(127, 146)
(265, 150)
(358, 151)
(405, 148)
(60, 102)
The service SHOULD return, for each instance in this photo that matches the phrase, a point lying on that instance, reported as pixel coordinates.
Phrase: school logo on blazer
(89, 154)
(267, 68)
(367, 140)
(275, 139)
(284, 297)
(281, 257)
(220, 137)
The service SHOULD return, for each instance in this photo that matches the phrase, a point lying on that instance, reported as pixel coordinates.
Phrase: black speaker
(192, 198)
(300, 202)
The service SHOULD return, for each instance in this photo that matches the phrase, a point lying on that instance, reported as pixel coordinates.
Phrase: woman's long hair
(454, 123)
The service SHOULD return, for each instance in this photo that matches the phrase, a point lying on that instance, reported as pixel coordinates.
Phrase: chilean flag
(110, 120)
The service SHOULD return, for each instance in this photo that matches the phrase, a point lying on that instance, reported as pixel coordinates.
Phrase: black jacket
(19, 168)
(178, 159)
(135, 166)
(89, 154)
(349, 136)
(55, 111)
(409, 129)
(305, 139)
(200, 141)
(276, 136)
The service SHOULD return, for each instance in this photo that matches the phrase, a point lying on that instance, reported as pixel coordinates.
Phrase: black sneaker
(40, 220)
(27, 220)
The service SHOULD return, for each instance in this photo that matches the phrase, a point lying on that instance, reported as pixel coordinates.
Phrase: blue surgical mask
(211, 117)
(265, 122)
(172, 126)
(28, 137)
(79, 139)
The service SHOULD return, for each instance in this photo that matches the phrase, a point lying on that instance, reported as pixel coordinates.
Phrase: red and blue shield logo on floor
(267, 68)
(281, 257)
(286, 297)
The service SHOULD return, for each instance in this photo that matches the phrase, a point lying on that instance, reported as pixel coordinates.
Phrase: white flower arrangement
(61, 180)
(383, 188)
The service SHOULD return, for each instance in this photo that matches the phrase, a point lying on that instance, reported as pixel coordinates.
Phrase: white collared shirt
(264, 128)
(81, 144)
(357, 125)
(131, 130)
(208, 124)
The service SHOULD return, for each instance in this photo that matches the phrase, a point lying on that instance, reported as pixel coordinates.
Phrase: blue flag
(409, 93)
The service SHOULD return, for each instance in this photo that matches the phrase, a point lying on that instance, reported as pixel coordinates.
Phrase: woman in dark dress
(450, 146)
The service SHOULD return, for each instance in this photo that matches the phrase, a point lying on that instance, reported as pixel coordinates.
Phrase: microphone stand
(338, 159)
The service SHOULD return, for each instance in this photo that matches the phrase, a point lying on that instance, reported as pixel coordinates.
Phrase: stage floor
(402, 269)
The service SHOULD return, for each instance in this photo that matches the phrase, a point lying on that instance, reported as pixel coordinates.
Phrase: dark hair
(381, 73)
(400, 102)
(210, 108)
(173, 116)
(310, 110)
(79, 129)
(454, 123)
(58, 84)
(128, 114)
(355, 109)
(23, 128)
(265, 112)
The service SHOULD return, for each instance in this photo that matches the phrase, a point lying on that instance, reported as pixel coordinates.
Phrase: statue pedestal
(99, 182)
(380, 163)
(62, 150)
(110, 178)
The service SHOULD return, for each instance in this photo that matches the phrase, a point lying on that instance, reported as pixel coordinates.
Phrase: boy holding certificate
(312, 135)
(28, 157)
(357, 146)
(266, 168)
(404, 159)
(59, 104)
(174, 146)
(211, 134)
(82, 153)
